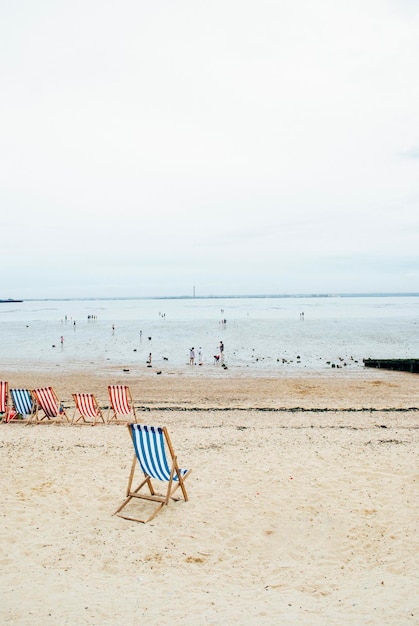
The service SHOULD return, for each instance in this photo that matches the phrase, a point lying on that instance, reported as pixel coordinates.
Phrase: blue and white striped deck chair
(22, 404)
(150, 445)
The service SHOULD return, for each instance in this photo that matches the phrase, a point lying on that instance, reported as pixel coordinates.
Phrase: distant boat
(10, 300)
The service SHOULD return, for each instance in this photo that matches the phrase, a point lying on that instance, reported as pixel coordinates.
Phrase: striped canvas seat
(149, 448)
(22, 404)
(47, 401)
(87, 408)
(4, 392)
(154, 453)
(122, 405)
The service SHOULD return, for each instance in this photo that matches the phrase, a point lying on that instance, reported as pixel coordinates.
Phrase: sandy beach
(302, 504)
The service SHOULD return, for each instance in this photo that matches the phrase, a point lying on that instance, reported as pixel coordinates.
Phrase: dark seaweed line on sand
(297, 409)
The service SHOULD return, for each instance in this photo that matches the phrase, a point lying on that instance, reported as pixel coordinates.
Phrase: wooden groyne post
(401, 365)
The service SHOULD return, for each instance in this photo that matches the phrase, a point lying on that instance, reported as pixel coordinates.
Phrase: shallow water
(263, 334)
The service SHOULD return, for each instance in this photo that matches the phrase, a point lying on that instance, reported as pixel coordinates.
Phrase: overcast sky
(241, 147)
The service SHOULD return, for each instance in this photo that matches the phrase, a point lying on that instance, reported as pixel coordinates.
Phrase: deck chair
(4, 396)
(122, 404)
(87, 408)
(150, 452)
(22, 405)
(47, 401)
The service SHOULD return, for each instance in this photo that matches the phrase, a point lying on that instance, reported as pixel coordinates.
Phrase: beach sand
(302, 504)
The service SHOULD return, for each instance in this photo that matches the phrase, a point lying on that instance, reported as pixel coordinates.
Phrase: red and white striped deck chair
(4, 395)
(87, 408)
(122, 405)
(47, 401)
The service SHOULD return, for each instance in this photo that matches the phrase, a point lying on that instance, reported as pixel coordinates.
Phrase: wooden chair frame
(88, 409)
(176, 479)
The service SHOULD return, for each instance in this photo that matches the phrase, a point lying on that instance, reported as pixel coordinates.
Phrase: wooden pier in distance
(401, 365)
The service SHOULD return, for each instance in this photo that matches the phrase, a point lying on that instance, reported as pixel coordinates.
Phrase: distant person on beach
(149, 359)
(192, 356)
(200, 361)
(222, 353)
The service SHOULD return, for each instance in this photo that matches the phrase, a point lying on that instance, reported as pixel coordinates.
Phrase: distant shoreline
(227, 297)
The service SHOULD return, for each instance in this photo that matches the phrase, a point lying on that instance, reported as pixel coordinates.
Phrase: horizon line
(231, 296)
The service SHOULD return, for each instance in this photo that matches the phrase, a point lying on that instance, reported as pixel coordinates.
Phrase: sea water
(266, 335)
